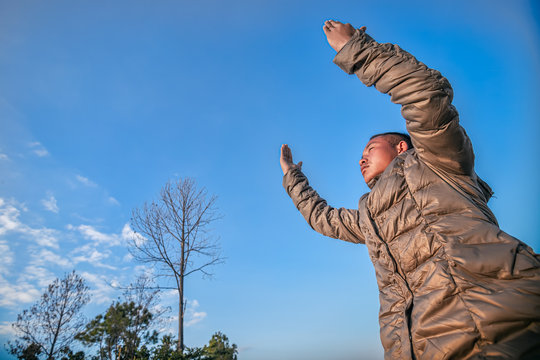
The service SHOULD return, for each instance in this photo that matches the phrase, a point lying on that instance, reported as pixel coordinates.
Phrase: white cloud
(6, 257)
(8, 217)
(100, 290)
(128, 235)
(85, 181)
(89, 255)
(144, 269)
(94, 252)
(43, 237)
(91, 233)
(38, 149)
(169, 325)
(113, 201)
(50, 204)
(4, 157)
(7, 329)
(41, 152)
(13, 295)
(242, 349)
(9, 222)
(193, 316)
(36, 273)
(46, 257)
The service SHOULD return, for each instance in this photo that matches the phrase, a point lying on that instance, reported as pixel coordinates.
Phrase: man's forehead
(378, 139)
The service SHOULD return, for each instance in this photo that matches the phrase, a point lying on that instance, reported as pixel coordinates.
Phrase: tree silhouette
(174, 232)
(50, 325)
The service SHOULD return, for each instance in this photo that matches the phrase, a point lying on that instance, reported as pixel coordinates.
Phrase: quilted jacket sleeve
(337, 223)
(425, 96)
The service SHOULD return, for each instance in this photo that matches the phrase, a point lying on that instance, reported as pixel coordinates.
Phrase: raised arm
(340, 224)
(425, 95)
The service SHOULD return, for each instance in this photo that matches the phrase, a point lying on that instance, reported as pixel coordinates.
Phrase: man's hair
(394, 138)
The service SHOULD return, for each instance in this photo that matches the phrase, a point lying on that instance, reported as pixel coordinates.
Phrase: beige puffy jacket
(452, 285)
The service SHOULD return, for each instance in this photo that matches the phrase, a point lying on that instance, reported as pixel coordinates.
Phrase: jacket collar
(373, 181)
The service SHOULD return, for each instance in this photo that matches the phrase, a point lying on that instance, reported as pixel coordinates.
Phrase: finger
(287, 152)
(329, 24)
(299, 165)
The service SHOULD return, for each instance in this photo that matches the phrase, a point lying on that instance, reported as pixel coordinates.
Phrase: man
(452, 285)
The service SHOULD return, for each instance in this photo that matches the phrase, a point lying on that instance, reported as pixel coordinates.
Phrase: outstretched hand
(338, 34)
(286, 160)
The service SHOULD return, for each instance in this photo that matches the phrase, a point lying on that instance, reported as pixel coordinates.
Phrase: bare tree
(50, 325)
(174, 232)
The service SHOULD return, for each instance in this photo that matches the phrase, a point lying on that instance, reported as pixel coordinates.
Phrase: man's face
(377, 155)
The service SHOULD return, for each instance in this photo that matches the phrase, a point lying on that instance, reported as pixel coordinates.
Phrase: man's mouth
(363, 169)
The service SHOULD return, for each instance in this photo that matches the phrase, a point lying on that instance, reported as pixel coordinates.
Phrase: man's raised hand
(286, 160)
(338, 34)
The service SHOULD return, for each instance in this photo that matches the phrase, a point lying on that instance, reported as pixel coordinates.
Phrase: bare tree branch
(171, 232)
(51, 324)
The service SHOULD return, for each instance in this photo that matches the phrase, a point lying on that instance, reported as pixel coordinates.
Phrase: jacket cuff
(346, 57)
(289, 179)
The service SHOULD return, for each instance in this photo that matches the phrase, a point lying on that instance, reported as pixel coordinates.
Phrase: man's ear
(402, 147)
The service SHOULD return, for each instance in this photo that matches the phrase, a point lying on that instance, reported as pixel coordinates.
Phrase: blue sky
(102, 103)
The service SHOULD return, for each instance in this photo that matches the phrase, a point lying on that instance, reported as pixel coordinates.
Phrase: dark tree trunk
(181, 318)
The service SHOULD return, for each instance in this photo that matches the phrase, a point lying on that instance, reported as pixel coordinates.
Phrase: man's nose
(362, 161)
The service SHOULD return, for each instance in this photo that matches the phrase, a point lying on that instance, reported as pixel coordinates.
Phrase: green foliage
(70, 355)
(167, 351)
(218, 348)
(29, 352)
(119, 333)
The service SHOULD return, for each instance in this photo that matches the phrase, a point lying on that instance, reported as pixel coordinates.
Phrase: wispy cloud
(36, 273)
(9, 222)
(4, 157)
(192, 315)
(89, 254)
(113, 201)
(9, 215)
(101, 292)
(129, 235)
(94, 252)
(13, 295)
(7, 329)
(85, 181)
(38, 149)
(46, 257)
(89, 232)
(242, 349)
(6, 257)
(41, 152)
(50, 204)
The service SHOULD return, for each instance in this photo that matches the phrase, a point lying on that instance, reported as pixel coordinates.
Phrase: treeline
(54, 328)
